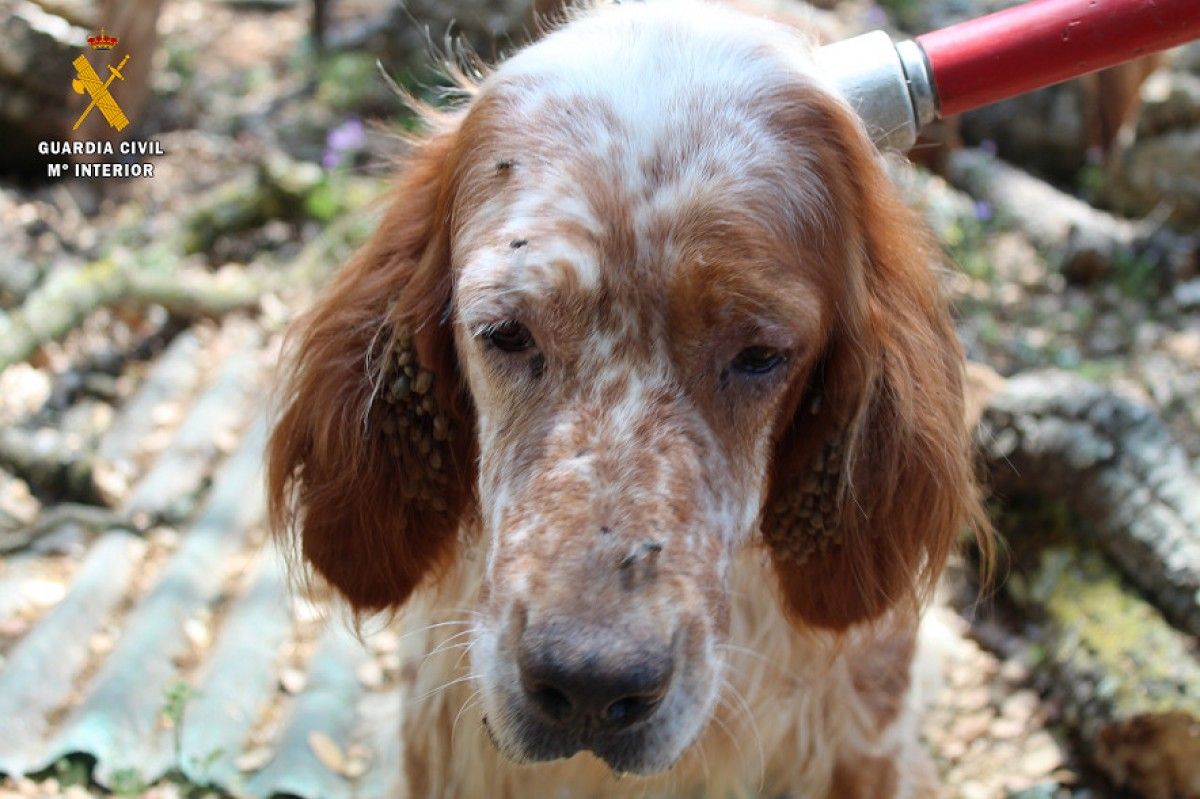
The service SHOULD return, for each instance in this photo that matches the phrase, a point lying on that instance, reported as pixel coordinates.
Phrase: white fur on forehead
(665, 41)
(658, 69)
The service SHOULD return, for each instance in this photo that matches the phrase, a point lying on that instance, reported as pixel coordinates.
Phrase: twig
(91, 517)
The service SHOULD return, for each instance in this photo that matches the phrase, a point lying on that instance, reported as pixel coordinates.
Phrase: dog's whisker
(451, 642)
(444, 686)
(444, 648)
(430, 627)
(761, 658)
(466, 650)
(716, 719)
(749, 714)
(474, 700)
(471, 612)
(702, 755)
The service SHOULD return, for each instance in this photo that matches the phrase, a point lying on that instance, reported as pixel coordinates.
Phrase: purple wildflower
(343, 142)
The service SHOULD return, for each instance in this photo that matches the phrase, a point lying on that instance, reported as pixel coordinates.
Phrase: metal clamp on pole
(899, 88)
(870, 73)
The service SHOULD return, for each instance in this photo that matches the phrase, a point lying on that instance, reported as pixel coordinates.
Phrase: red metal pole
(1043, 42)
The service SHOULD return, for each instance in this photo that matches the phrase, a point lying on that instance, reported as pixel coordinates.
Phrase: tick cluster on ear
(415, 426)
(803, 521)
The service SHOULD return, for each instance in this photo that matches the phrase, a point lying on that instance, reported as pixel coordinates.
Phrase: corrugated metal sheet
(194, 610)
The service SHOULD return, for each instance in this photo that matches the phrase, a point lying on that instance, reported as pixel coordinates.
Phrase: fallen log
(156, 275)
(1128, 683)
(1114, 466)
(49, 463)
(1079, 473)
(58, 306)
(1087, 242)
(67, 298)
(92, 518)
(280, 188)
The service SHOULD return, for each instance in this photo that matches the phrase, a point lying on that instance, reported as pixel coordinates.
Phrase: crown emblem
(103, 41)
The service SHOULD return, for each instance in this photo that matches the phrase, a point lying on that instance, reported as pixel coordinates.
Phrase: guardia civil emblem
(87, 81)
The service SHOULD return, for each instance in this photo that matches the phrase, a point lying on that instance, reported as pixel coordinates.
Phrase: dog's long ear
(371, 462)
(872, 479)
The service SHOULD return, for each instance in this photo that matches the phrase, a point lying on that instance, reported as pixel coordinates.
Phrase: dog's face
(653, 283)
(628, 313)
(625, 327)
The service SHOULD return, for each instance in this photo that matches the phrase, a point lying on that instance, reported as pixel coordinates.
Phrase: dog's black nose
(588, 677)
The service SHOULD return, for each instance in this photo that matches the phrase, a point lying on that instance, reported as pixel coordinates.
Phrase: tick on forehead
(528, 267)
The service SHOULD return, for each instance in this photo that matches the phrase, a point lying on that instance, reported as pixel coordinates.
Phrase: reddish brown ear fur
(877, 452)
(359, 468)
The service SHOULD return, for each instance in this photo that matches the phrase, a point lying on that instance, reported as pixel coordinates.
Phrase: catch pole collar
(898, 88)
(889, 85)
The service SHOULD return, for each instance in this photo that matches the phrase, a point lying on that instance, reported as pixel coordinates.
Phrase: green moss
(1098, 370)
(1137, 276)
(349, 81)
(967, 242)
(69, 771)
(1091, 182)
(182, 58)
(127, 782)
(1102, 626)
(283, 189)
(1094, 626)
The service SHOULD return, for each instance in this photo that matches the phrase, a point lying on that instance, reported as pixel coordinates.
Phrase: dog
(644, 404)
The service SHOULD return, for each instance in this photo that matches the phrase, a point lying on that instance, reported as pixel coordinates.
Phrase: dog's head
(648, 299)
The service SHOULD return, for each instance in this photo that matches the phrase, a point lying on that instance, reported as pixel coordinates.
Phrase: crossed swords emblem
(88, 81)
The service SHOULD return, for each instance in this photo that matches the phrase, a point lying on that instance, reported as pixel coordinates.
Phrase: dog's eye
(757, 360)
(509, 336)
